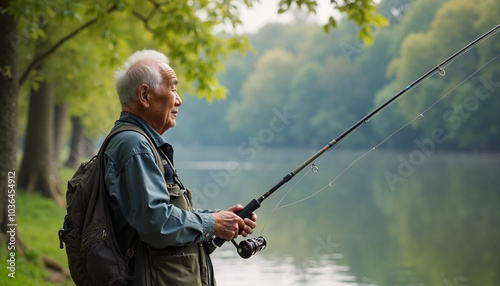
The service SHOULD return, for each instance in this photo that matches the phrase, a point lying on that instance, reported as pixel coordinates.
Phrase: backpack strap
(130, 127)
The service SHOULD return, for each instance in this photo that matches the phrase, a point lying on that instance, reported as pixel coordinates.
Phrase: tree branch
(157, 7)
(144, 20)
(51, 50)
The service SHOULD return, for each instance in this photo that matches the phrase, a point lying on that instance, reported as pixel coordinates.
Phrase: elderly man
(145, 203)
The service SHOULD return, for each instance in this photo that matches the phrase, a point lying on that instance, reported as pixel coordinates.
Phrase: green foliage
(376, 62)
(362, 12)
(335, 80)
(327, 81)
(457, 112)
(322, 94)
(87, 40)
(184, 30)
(266, 88)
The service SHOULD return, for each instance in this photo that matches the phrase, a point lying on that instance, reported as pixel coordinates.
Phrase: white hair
(138, 70)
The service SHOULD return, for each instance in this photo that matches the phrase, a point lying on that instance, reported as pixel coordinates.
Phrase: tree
(87, 88)
(374, 61)
(342, 100)
(263, 94)
(184, 29)
(456, 112)
(361, 12)
(8, 116)
(193, 35)
(305, 90)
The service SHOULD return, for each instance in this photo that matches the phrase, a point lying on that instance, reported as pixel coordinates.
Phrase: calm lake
(412, 218)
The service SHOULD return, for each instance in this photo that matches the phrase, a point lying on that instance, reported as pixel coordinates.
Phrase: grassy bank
(38, 220)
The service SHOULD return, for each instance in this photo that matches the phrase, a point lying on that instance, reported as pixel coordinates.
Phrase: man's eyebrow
(175, 82)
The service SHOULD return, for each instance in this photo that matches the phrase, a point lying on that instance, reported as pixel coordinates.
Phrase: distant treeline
(304, 87)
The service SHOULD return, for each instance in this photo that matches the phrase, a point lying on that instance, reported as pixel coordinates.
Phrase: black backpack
(94, 257)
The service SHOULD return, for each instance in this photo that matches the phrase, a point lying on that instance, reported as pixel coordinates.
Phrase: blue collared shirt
(139, 194)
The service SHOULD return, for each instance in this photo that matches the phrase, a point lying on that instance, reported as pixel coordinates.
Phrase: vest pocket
(177, 269)
(179, 197)
(178, 265)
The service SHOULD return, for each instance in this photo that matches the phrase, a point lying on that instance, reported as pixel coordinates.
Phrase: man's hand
(228, 225)
(249, 222)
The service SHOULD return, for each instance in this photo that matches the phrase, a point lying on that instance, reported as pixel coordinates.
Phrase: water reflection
(389, 219)
(276, 270)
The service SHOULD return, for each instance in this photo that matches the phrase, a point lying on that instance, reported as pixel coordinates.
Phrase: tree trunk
(61, 113)
(76, 138)
(8, 116)
(38, 172)
(87, 147)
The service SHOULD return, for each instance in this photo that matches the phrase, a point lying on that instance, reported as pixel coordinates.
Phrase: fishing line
(251, 246)
(314, 169)
(420, 115)
(299, 180)
(441, 72)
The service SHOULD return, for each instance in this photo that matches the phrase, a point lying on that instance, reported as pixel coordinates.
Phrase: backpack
(94, 257)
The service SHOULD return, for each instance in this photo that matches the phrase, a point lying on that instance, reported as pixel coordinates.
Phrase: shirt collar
(130, 118)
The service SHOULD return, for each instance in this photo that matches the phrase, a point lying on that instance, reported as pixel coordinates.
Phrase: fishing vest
(179, 265)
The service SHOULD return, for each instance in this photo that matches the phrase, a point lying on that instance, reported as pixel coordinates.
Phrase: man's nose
(178, 100)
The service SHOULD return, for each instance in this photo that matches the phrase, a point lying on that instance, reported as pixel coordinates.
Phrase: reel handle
(246, 212)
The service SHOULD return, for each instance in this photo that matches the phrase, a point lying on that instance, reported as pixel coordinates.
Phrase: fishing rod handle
(246, 212)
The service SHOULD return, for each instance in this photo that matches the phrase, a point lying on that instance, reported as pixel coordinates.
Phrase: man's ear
(143, 95)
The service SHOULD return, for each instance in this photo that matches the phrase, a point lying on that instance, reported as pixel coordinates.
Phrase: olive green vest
(179, 265)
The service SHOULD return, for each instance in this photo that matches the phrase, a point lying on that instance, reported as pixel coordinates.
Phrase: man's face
(164, 104)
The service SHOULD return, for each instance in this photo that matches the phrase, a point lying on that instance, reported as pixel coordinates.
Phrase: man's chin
(170, 125)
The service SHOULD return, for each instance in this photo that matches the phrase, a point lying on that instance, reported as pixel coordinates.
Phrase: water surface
(386, 218)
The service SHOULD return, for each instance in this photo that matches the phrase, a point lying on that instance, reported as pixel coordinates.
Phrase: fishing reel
(247, 248)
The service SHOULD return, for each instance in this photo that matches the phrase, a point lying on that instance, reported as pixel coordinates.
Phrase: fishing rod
(247, 248)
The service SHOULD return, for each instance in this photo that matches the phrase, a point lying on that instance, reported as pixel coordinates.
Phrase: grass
(38, 221)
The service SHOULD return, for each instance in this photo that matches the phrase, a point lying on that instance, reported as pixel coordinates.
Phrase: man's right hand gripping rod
(246, 212)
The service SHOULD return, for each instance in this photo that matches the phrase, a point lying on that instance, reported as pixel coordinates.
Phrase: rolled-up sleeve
(138, 188)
